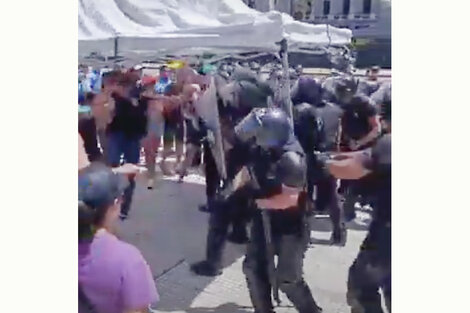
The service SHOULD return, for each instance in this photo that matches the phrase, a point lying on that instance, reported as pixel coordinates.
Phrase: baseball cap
(99, 186)
(148, 80)
(175, 64)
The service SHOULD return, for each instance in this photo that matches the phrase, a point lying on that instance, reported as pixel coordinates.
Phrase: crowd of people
(279, 173)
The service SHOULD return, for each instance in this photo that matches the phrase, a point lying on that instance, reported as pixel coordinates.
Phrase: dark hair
(89, 96)
(96, 201)
(127, 79)
(88, 219)
(109, 77)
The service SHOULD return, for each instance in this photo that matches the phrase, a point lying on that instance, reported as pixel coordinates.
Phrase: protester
(173, 126)
(155, 124)
(102, 107)
(195, 128)
(113, 275)
(126, 130)
(87, 129)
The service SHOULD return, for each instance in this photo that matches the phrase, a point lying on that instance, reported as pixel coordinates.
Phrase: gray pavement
(167, 227)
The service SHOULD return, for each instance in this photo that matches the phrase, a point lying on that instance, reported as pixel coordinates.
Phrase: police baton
(269, 244)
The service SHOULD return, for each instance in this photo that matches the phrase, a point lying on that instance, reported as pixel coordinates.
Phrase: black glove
(224, 192)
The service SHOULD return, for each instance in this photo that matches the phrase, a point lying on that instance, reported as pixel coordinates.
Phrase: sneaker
(150, 183)
(166, 170)
(204, 268)
(204, 208)
(182, 173)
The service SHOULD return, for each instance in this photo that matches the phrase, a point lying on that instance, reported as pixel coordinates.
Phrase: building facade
(366, 18)
(369, 21)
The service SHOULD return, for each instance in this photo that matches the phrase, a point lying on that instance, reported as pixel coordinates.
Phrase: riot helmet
(345, 88)
(306, 89)
(267, 127)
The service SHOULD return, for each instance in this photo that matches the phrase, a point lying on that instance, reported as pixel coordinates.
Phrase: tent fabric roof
(147, 27)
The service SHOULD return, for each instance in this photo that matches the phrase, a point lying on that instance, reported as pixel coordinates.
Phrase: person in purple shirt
(113, 276)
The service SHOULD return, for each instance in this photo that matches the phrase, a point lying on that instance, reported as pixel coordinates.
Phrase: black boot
(204, 208)
(339, 236)
(238, 235)
(209, 207)
(205, 268)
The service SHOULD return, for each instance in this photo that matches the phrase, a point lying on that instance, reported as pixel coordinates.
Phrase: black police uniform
(355, 125)
(308, 129)
(234, 211)
(290, 236)
(327, 195)
(372, 268)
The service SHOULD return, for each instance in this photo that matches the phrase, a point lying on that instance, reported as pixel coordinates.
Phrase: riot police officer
(360, 128)
(278, 175)
(316, 126)
(371, 269)
(234, 210)
(327, 194)
(339, 89)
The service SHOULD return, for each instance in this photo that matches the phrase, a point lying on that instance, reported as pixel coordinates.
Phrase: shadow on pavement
(224, 308)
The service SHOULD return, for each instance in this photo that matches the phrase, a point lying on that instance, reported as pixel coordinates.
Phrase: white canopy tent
(145, 28)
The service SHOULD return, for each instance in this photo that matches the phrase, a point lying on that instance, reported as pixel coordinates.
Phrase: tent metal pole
(285, 91)
(116, 48)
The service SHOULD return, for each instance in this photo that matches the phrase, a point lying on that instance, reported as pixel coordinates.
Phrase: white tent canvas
(147, 27)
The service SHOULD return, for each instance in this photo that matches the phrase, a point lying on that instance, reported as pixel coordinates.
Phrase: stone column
(336, 7)
(263, 5)
(317, 8)
(283, 6)
(356, 7)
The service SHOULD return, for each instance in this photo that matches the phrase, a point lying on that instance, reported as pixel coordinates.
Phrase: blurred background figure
(155, 124)
(195, 128)
(173, 133)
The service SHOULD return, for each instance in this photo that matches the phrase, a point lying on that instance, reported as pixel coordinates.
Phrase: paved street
(166, 226)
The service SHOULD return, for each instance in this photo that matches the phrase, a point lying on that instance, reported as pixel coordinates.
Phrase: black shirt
(308, 128)
(128, 118)
(87, 129)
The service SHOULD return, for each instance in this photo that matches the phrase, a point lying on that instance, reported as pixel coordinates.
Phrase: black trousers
(212, 175)
(290, 249)
(327, 198)
(370, 272)
(87, 129)
(235, 212)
